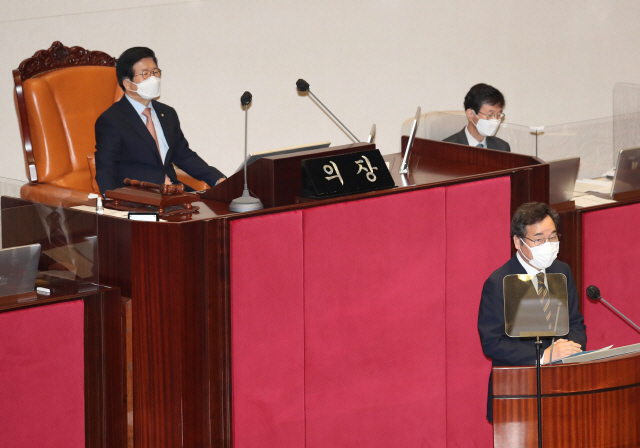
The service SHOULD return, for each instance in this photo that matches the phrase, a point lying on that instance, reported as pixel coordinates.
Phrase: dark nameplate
(343, 174)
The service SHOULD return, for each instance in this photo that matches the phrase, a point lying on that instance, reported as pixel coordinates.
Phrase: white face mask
(487, 128)
(543, 255)
(149, 88)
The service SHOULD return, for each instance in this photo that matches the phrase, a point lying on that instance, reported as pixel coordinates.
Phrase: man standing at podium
(483, 106)
(140, 138)
(534, 234)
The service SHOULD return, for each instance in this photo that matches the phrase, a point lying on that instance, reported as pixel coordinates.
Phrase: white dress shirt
(162, 141)
(472, 141)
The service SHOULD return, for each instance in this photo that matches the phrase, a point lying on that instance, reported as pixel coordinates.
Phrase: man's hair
(529, 214)
(483, 94)
(126, 61)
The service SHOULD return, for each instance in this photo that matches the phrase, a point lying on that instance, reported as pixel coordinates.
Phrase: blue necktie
(479, 145)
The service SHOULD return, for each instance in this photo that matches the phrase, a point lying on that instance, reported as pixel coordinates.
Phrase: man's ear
(516, 242)
(470, 114)
(128, 84)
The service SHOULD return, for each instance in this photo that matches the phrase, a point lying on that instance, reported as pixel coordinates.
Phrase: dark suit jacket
(125, 148)
(506, 351)
(492, 142)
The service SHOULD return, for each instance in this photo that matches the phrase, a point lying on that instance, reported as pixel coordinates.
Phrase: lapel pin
(162, 115)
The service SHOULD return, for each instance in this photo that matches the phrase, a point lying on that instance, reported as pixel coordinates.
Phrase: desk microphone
(594, 294)
(303, 86)
(246, 202)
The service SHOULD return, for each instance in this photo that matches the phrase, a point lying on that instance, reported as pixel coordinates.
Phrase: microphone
(303, 86)
(246, 202)
(594, 294)
(246, 98)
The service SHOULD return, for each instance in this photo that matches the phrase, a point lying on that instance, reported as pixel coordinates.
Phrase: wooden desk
(588, 405)
(103, 323)
(178, 276)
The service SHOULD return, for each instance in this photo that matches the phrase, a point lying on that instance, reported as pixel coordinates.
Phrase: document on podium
(606, 352)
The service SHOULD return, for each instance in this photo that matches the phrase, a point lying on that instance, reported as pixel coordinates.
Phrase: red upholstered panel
(42, 377)
(611, 261)
(267, 331)
(478, 217)
(374, 322)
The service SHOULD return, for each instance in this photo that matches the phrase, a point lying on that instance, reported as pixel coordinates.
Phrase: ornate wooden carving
(58, 56)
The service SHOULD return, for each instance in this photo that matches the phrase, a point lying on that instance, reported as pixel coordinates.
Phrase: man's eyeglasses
(552, 239)
(493, 116)
(146, 73)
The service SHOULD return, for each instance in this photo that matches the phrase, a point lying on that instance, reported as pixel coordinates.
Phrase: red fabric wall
(42, 376)
(610, 259)
(374, 301)
(354, 324)
(267, 344)
(478, 221)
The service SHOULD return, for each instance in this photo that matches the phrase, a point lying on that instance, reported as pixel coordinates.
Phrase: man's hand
(561, 349)
(222, 179)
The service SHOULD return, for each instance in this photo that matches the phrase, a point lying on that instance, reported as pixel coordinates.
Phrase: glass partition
(591, 140)
(626, 117)
(440, 125)
(597, 142)
(67, 236)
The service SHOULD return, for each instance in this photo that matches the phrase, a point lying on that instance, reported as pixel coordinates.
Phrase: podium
(308, 321)
(593, 404)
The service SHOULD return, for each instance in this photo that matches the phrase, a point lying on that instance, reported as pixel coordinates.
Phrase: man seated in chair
(140, 138)
(483, 106)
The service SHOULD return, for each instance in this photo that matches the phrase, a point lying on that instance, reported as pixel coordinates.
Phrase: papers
(590, 200)
(597, 186)
(606, 352)
(610, 174)
(107, 211)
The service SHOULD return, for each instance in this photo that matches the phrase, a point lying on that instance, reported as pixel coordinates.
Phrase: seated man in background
(140, 138)
(534, 234)
(483, 106)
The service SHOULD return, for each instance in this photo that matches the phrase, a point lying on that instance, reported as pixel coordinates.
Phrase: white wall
(368, 61)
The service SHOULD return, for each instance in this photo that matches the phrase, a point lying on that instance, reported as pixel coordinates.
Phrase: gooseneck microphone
(303, 86)
(246, 202)
(594, 294)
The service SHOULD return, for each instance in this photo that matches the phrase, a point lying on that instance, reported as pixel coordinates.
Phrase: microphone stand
(594, 294)
(539, 391)
(303, 86)
(334, 117)
(246, 202)
(620, 314)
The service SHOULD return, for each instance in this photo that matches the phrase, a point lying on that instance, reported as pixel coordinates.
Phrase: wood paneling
(177, 275)
(593, 404)
(276, 180)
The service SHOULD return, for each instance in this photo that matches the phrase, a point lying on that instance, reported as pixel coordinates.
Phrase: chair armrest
(184, 178)
(50, 195)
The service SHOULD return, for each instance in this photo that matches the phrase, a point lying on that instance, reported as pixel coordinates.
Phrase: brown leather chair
(60, 93)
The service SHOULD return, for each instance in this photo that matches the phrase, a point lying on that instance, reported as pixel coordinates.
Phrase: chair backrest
(436, 125)
(59, 94)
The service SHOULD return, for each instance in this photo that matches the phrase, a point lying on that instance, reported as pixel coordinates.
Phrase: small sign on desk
(339, 175)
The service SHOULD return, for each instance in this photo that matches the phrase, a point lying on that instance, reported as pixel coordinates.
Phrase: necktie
(479, 145)
(152, 131)
(544, 297)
